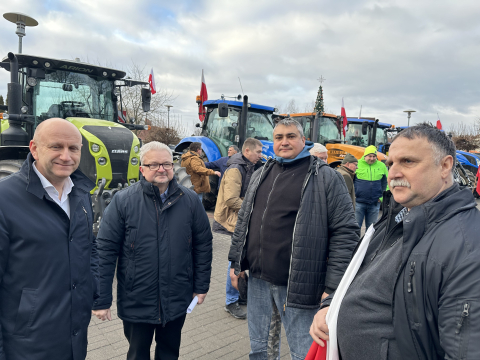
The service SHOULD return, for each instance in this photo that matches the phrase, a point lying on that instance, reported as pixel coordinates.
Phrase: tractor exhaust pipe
(242, 126)
(14, 135)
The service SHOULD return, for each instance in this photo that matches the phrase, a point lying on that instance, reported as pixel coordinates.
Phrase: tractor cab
(85, 95)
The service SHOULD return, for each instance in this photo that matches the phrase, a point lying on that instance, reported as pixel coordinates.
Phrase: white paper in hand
(332, 315)
(192, 304)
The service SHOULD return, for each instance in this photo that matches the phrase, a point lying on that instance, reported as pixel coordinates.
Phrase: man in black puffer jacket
(296, 215)
(416, 294)
(160, 234)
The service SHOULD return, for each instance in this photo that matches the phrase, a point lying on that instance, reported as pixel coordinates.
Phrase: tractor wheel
(183, 178)
(8, 167)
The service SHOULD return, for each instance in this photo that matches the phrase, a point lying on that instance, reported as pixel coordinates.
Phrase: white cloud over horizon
(386, 56)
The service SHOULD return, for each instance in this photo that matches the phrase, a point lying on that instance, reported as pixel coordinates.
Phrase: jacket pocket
(130, 269)
(26, 311)
(462, 330)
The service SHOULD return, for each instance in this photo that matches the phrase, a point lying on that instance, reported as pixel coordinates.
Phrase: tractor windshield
(354, 135)
(327, 129)
(382, 136)
(67, 94)
(222, 130)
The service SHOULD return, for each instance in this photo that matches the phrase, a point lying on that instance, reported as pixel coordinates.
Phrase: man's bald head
(56, 148)
(53, 125)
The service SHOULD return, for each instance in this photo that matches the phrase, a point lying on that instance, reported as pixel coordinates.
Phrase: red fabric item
(317, 352)
(478, 181)
(122, 117)
(439, 124)
(151, 81)
(345, 121)
(203, 97)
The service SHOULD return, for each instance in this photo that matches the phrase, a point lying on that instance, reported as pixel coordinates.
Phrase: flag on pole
(203, 97)
(122, 117)
(345, 121)
(151, 81)
(439, 124)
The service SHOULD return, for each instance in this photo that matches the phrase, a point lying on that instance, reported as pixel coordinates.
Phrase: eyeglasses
(155, 167)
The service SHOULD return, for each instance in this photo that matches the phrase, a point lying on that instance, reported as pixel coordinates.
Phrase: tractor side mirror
(364, 128)
(223, 110)
(146, 98)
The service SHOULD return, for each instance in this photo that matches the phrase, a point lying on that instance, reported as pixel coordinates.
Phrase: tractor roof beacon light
(22, 21)
(409, 112)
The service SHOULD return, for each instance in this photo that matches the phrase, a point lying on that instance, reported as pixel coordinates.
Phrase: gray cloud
(384, 55)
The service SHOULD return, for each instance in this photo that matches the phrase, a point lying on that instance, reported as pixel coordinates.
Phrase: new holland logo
(119, 151)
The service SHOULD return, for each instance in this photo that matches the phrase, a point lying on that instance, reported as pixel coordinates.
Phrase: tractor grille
(118, 142)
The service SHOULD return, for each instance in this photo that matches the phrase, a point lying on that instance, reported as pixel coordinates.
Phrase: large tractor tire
(9, 167)
(183, 178)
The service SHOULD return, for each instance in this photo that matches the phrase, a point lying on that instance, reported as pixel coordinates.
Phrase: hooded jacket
(164, 252)
(232, 190)
(195, 167)
(48, 269)
(436, 299)
(348, 176)
(325, 228)
(370, 180)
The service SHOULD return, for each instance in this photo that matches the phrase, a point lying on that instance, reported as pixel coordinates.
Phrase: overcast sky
(387, 56)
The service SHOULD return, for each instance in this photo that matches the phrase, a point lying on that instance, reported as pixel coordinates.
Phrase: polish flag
(122, 117)
(151, 81)
(345, 121)
(203, 97)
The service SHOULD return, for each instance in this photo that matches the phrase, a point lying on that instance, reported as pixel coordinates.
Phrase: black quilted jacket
(325, 229)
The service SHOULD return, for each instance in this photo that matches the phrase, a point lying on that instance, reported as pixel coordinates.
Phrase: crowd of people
(408, 289)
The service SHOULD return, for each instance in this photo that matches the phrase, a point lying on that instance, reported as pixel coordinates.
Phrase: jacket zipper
(159, 303)
(250, 215)
(293, 236)
(465, 314)
(411, 288)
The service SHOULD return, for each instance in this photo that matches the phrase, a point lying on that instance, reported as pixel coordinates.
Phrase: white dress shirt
(64, 202)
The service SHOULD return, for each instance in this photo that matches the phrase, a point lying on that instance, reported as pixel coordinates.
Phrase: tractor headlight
(102, 161)
(135, 148)
(95, 148)
(134, 161)
(31, 81)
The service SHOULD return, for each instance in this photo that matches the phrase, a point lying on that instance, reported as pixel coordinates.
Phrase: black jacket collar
(35, 187)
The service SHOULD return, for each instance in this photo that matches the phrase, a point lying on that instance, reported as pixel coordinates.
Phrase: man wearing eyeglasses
(161, 237)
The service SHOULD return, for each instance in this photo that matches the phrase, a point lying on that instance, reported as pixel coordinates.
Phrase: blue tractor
(228, 123)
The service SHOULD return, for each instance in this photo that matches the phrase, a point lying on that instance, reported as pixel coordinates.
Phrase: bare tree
(291, 108)
(132, 102)
(466, 136)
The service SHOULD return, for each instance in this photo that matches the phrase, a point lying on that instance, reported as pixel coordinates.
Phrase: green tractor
(86, 95)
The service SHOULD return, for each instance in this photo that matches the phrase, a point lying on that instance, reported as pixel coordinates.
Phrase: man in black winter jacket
(296, 214)
(416, 294)
(48, 254)
(160, 234)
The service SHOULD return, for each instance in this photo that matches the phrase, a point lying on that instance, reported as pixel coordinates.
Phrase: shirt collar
(67, 186)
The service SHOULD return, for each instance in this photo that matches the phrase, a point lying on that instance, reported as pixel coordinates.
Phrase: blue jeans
(367, 211)
(265, 311)
(232, 294)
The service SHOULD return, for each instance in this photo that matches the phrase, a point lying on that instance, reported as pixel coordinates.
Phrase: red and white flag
(345, 121)
(122, 117)
(151, 81)
(203, 97)
(439, 124)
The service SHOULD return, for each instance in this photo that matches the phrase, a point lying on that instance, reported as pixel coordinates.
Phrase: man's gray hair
(441, 144)
(154, 145)
(318, 148)
(290, 122)
(235, 147)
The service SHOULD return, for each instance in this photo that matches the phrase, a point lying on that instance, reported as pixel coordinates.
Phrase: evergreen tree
(319, 106)
(1, 103)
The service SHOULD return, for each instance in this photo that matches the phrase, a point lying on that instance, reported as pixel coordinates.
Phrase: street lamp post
(168, 115)
(409, 112)
(22, 21)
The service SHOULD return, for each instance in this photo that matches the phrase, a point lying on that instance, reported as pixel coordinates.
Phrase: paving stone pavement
(209, 331)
